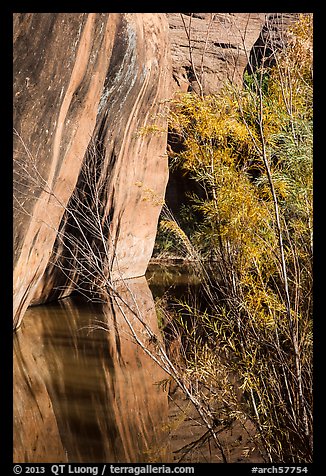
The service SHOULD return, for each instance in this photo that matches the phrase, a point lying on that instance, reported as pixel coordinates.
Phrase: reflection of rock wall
(80, 78)
(36, 435)
(87, 395)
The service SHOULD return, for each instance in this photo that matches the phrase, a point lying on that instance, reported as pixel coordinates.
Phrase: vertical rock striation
(82, 79)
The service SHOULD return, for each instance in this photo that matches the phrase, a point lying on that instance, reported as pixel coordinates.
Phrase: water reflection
(82, 394)
(180, 279)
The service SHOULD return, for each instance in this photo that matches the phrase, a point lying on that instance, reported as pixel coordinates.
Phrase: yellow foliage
(249, 151)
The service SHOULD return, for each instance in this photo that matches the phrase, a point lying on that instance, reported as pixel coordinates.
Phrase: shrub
(250, 149)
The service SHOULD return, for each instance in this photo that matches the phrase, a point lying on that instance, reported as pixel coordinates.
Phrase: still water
(83, 390)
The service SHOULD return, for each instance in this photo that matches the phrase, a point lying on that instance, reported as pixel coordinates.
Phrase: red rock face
(220, 43)
(83, 79)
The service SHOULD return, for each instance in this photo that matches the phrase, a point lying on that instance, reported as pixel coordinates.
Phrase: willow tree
(250, 150)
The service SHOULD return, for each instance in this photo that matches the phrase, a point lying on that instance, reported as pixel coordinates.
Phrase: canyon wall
(83, 391)
(220, 47)
(79, 80)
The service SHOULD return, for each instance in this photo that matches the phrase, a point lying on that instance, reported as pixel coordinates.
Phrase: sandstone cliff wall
(220, 45)
(82, 79)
